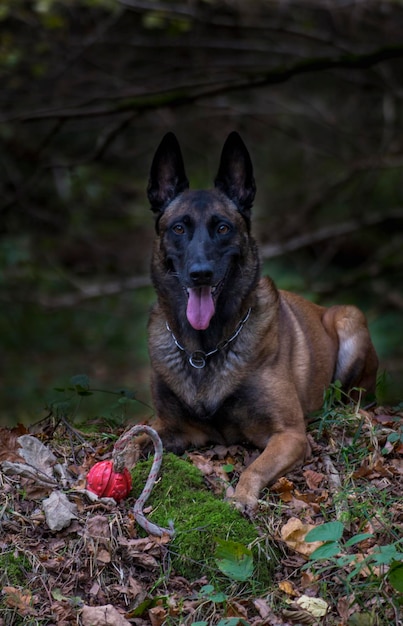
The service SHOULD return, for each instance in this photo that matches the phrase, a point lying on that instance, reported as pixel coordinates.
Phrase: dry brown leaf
(385, 420)
(345, 608)
(157, 615)
(365, 570)
(145, 560)
(95, 588)
(105, 615)
(20, 600)
(97, 527)
(59, 511)
(295, 614)
(287, 587)
(9, 445)
(397, 465)
(313, 479)
(236, 609)
(284, 488)
(308, 579)
(202, 463)
(312, 498)
(63, 613)
(103, 556)
(262, 607)
(294, 533)
(136, 590)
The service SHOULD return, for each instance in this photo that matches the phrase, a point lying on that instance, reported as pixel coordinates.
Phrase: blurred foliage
(88, 89)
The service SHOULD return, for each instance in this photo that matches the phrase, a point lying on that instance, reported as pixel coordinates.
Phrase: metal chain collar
(198, 358)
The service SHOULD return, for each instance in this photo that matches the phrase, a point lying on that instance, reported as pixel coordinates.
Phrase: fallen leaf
(313, 479)
(385, 420)
(288, 588)
(94, 589)
(202, 464)
(59, 511)
(294, 533)
(157, 615)
(30, 472)
(345, 608)
(103, 556)
(315, 606)
(284, 488)
(105, 615)
(20, 600)
(299, 616)
(262, 607)
(37, 454)
(97, 527)
(9, 447)
(397, 465)
(308, 579)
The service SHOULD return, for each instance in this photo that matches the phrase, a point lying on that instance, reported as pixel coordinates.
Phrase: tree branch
(270, 251)
(179, 97)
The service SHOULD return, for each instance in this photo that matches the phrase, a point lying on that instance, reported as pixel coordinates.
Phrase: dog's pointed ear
(167, 175)
(235, 174)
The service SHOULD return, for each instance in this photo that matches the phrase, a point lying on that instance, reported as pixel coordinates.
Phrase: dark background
(88, 88)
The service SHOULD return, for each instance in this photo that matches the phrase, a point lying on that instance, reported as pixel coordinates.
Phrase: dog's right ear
(167, 175)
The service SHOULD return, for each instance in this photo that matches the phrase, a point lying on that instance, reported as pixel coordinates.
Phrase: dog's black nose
(201, 273)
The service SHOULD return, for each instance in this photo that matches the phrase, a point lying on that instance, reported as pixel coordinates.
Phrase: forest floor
(101, 569)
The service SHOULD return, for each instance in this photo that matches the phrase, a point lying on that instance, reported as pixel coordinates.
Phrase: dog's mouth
(201, 305)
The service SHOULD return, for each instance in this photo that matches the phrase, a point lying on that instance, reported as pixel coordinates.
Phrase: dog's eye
(223, 229)
(178, 229)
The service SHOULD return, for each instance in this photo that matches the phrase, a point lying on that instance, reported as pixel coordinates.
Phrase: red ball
(104, 481)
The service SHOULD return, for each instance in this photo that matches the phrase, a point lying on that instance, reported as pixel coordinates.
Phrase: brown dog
(233, 358)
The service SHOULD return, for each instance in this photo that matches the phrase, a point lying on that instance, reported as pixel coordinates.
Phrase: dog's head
(203, 234)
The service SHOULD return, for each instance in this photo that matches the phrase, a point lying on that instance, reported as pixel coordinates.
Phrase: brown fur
(258, 387)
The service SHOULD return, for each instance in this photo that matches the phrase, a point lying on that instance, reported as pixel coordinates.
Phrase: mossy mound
(199, 519)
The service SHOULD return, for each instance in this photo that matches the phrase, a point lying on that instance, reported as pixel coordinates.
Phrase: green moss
(13, 569)
(199, 518)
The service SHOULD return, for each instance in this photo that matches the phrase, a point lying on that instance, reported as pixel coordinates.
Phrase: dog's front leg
(283, 451)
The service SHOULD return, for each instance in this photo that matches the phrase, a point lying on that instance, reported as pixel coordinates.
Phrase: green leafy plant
(395, 439)
(209, 594)
(234, 560)
(336, 551)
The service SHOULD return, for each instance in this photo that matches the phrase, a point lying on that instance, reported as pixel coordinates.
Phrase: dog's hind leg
(357, 362)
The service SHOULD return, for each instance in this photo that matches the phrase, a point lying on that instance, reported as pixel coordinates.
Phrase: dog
(233, 358)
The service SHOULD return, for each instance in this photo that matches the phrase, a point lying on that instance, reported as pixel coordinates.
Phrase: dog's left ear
(167, 175)
(235, 174)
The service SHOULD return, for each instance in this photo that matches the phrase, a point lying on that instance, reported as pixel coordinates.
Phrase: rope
(120, 445)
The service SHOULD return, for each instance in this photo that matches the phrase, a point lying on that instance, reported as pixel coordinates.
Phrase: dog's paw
(247, 504)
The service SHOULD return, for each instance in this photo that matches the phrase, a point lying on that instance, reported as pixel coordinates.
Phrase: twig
(335, 486)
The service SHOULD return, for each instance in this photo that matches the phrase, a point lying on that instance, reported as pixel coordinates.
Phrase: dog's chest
(202, 389)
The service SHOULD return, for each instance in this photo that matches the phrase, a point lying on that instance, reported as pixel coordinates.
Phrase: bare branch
(270, 251)
(180, 96)
(92, 291)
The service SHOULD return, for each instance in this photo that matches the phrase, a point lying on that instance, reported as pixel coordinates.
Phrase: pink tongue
(200, 307)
